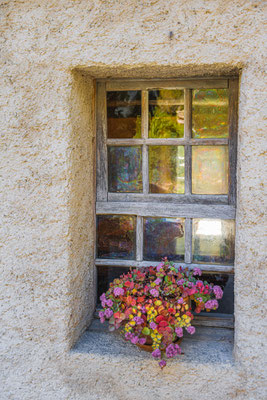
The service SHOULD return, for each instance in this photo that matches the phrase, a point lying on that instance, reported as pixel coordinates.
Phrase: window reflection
(213, 241)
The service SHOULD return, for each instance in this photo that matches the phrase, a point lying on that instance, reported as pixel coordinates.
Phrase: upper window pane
(210, 113)
(166, 113)
(166, 169)
(116, 236)
(124, 114)
(125, 169)
(210, 169)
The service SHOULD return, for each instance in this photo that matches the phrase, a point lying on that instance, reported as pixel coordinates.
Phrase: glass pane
(166, 113)
(210, 169)
(116, 236)
(210, 113)
(164, 237)
(124, 114)
(106, 275)
(166, 169)
(213, 241)
(226, 282)
(125, 169)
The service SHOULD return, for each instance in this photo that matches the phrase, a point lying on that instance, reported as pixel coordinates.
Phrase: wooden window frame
(185, 205)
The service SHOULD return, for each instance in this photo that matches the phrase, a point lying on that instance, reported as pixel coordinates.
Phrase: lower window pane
(116, 236)
(163, 237)
(213, 241)
(105, 275)
(226, 282)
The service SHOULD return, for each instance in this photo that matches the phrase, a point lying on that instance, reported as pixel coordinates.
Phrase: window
(166, 160)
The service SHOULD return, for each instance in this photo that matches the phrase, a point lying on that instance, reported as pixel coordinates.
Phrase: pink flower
(153, 325)
(180, 282)
(197, 271)
(191, 330)
(134, 340)
(154, 292)
(103, 297)
(109, 303)
(118, 291)
(108, 313)
(218, 292)
(157, 281)
(211, 304)
(160, 266)
(162, 364)
(180, 300)
(179, 332)
(138, 320)
(156, 353)
(142, 340)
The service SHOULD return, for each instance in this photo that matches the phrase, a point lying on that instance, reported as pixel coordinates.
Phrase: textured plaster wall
(51, 53)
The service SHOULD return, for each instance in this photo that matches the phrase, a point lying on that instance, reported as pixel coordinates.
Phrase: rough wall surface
(51, 52)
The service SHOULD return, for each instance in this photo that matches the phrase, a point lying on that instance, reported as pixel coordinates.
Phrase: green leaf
(146, 330)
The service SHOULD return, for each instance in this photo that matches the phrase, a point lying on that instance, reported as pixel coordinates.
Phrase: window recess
(166, 161)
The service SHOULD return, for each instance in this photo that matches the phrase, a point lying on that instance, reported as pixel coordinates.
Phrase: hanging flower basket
(152, 306)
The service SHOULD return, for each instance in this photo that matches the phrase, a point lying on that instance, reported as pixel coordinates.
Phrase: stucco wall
(52, 52)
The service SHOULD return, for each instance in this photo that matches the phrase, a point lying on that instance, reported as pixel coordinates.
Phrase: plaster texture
(52, 52)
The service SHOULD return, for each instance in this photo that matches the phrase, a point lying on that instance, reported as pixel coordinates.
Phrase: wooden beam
(139, 264)
(167, 210)
(198, 83)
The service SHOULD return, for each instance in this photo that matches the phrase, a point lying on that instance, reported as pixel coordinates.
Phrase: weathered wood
(199, 83)
(144, 127)
(188, 240)
(144, 117)
(139, 264)
(101, 148)
(217, 322)
(139, 239)
(167, 142)
(233, 126)
(125, 142)
(188, 170)
(188, 114)
(168, 198)
(167, 210)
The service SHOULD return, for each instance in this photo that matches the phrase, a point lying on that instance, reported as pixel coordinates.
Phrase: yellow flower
(132, 323)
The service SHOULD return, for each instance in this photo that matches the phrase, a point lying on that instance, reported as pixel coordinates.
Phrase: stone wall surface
(51, 53)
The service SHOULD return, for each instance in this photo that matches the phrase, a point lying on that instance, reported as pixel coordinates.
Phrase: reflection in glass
(166, 113)
(124, 114)
(210, 169)
(210, 113)
(125, 169)
(163, 237)
(116, 236)
(166, 169)
(226, 282)
(213, 241)
(106, 275)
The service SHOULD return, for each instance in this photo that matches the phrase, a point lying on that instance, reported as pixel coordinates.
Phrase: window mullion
(188, 241)
(101, 159)
(139, 239)
(144, 128)
(187, 136)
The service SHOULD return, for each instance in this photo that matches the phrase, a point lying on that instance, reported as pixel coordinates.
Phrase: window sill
(207, 346)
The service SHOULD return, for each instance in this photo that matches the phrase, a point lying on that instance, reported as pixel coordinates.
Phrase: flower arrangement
(153, 304)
